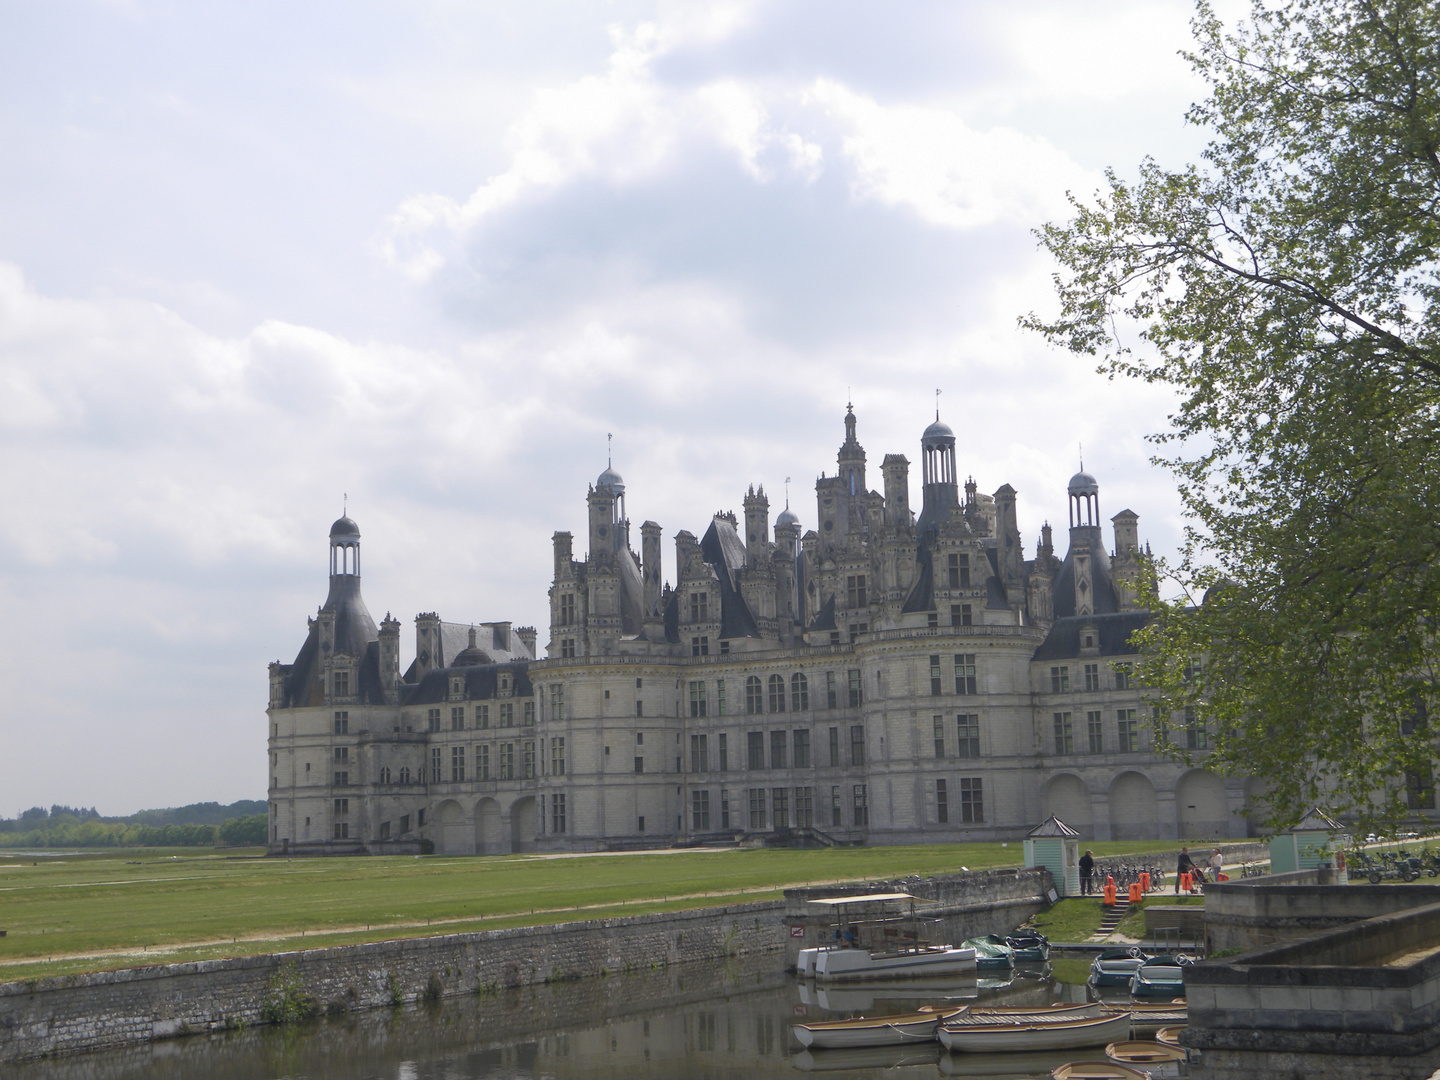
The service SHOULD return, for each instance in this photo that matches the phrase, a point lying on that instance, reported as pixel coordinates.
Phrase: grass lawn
(78, 911)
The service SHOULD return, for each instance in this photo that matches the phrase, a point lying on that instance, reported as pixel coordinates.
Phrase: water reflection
(726, 1021)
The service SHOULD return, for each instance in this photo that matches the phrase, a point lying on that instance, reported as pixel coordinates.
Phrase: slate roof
(480, 683)
(1104, 601)
(1052, 826)
(1063, 640)
(455, 639)
(355, 635)
(723, 549)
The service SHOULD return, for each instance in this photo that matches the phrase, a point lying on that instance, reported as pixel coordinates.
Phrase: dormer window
(457, 686)
(699, 607)
(504, 682)
(342, 684)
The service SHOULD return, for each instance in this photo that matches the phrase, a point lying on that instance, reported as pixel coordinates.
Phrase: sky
(260, 259)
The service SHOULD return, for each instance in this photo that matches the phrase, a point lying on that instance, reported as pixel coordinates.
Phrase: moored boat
(1032, 1032)
(877, 936)
(1149, 1017)
(898, 1030)
(1143, 1052)
(1160, 976)
(991, 953)
(1097, 1070)
(1029, 946)
(1115, 967)
(1170, 1036)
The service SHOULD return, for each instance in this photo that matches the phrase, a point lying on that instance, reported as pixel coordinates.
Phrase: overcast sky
(256, 256)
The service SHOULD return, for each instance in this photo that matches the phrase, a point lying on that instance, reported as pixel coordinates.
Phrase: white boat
(1034, 1032)
(1097, 1070)
(879, 936)
(1143, 1052)
(899, 1030)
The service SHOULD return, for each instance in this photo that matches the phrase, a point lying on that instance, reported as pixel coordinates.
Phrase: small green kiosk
(1314, 841)
(1055, 846)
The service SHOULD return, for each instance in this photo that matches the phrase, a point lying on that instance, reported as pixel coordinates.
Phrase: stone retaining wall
(119, 1008)
(1252, 912)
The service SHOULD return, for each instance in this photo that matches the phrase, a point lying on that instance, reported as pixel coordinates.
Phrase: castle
(882, 678)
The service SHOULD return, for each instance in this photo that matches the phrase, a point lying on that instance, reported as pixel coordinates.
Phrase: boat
(1150, 1017)
(1160, 976)
(897, 1030)
(879, 936)
(1030, 946)
(1097, 1070)
(1056, 1008)
(991, 952)
(1170, 1036)
(1143, 1052)
(1115, 967)
(1032, 1032)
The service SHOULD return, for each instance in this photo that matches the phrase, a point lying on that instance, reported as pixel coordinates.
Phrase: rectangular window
(932, 619)
(342, 723)
(342, 753)
(697, 698)
(935, 684)
(557, 702)
(1124, 676)
(435, 765)
(1064, 734)
(834, 747)
(958, 571)
(1127, 730)
(724, 809)
(482, 712)
(942, 802)
(800, 748)
(965, 674)
(527, 713)
(939, 736)
(342, 806)
(860, 805)
(755, 749)
(567, 609)
(799, 692)
(835, 806)
(804, 807)
(342, 830)
(780, 808)
(719, 697)
(699, 607)
(700, 646)
(1092, 676)
(722, 751)
(432, 719)
(699, 754)
(757, 808)
(404, 824)
(1195, 735)
(557, 756)
(857, 744)
(1095, 729)
(385, 830)
(457, 718)
(972, 801)
(832, 694)
(967, 735)
(507, 714)
(507, 761)
(639, 708)
(457, 764)
(1420, 790)
(342, 684)
(853, 676)
(557, 813)
(777, 693)
(777, 749)
(567, 648)
(639, 764)
(754, 696)
(1060, 680)
(700, 811)
(961, 615)
(855, 591)
(482, 763)
(858, 628)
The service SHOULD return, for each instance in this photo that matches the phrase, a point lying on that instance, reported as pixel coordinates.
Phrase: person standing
(1217, 860)
(1184, 865)
(1087, 869)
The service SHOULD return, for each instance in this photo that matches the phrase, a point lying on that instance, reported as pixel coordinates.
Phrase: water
(723, 1021)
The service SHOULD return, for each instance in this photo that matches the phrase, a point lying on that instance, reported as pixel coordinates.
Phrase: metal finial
(787, 493)
(937, 404)
(609, 446)
(1082, 456)
(344, 504)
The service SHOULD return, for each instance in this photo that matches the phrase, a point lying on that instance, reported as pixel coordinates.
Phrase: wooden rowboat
(1170, 1036)
(898, 1030)
(1097, 1070)
(1059, 1010)
(1034, 1032)
(1141, 1052)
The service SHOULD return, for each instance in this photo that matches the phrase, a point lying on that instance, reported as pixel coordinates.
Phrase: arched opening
(489, 829)
(1068, 799)
(453, 836)
(1133, 809)
(522, 824)
(1201, 809)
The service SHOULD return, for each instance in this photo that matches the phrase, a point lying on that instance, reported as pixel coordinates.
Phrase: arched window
(754, 695)
(405, 774)
(799, 692)
(385, 774)
(777, 693)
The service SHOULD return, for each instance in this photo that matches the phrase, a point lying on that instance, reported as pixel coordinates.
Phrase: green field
(73, 912)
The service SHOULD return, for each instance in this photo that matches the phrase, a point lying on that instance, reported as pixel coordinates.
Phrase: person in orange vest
(1183, 865)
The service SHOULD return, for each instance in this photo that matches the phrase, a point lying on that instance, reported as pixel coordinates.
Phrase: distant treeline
(197, 825)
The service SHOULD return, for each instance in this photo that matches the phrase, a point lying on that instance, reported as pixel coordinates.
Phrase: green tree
(1286, 289)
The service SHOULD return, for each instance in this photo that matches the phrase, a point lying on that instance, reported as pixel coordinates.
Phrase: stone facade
(885, 677)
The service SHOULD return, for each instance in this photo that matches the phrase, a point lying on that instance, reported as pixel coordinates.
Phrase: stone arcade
(883, 678)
